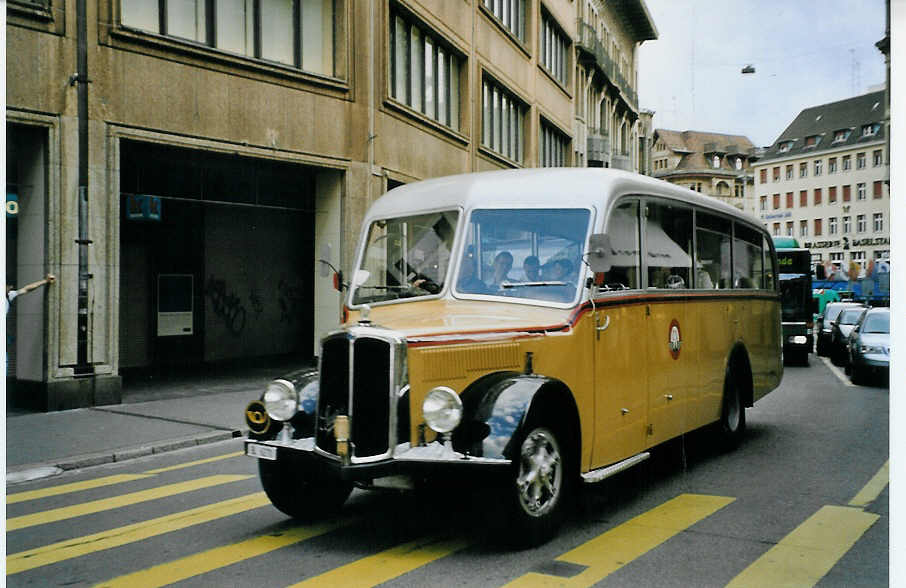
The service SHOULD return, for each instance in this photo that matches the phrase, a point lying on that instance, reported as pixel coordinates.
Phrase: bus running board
(604, 473)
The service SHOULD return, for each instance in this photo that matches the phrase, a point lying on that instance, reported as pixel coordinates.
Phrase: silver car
(869, 346)
(841, 327)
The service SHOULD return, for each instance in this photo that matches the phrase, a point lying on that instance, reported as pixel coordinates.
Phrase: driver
(503, 263)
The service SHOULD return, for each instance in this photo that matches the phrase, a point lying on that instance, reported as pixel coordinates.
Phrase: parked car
(825, 322)
(841, 328)
(869, 346)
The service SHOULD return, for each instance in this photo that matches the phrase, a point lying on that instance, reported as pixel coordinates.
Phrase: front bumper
(432, 459)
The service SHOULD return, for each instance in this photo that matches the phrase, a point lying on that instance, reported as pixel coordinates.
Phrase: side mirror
(325, 266)
(600, 254)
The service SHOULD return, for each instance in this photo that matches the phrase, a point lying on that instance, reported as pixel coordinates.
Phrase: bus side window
(668, 246)
(712, 255)
(769, 271)
(623, 230)
(748, 263)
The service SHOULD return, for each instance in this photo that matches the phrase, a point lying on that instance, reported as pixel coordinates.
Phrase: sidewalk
(157, 415)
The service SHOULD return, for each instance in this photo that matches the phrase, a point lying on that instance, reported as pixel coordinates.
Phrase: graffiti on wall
(226, 305)
(291, 297)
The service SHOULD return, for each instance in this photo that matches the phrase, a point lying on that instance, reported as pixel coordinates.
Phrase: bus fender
(739, 367)
(306, 384)
(496, 406)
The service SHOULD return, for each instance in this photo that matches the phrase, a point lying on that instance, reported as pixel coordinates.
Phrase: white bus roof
(536, 188)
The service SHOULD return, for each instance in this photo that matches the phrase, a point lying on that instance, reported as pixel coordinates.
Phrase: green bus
(794, 267)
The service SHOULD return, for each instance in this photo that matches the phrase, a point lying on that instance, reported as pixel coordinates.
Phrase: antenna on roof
(748, 69)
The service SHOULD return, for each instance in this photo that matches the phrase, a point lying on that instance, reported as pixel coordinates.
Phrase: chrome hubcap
(540, 478)
(733, 409)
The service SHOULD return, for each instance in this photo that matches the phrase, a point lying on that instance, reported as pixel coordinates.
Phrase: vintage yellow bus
(533, 329)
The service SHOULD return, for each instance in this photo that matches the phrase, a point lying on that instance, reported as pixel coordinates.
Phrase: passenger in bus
(531, 267)
(703, 279)
(503, 263)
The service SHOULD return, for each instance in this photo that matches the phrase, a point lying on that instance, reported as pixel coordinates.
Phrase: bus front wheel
(732, 425)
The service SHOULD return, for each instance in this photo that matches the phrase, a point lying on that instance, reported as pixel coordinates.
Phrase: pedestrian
(868, 280)
(854, 270)
(12, 293)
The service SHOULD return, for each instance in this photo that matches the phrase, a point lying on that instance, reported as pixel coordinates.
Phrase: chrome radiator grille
(358, 379)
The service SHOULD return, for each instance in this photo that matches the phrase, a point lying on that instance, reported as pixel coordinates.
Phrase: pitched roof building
(715, 164)
(823, 181)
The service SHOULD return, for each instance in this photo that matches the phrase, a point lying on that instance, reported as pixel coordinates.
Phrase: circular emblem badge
(256, 418)
(675, 341)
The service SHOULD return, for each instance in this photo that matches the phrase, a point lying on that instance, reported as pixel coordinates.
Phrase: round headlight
(280, 400)
(442, 409)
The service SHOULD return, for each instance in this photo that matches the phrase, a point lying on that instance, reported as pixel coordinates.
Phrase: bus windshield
(405, 257)
(533, 254)
(794, 267)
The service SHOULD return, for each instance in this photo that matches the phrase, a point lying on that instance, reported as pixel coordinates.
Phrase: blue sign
(12, 205)
(143, 208)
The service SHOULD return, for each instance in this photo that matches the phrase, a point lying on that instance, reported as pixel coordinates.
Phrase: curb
(37, 471)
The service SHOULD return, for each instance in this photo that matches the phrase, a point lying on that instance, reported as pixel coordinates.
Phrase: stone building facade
(182, 172)
(824, 181)
(714, 164)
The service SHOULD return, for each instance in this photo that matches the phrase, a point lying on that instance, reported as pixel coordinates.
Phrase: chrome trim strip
(603, 473)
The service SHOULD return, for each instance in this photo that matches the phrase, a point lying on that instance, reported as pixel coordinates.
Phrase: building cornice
(820, 153)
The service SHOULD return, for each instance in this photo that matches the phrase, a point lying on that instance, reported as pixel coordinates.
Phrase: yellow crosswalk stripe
(67, 512)
(617, 547)
(79, 546)
(180, 466)
(73, 487)
(388, 564)
(200, 563)
(873, 489)
(804, 556)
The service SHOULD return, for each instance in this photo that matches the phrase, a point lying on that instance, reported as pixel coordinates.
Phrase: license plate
(261, 451)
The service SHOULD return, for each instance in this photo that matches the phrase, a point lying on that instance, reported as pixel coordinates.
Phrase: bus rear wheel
(732, 425)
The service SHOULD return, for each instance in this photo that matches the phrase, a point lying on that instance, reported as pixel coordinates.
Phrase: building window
(763, 175)
(878, 189)
(870, 130)
(878, 222)
(424, 73)
(837, 257)
(817, 227)
(812, 140)
(738, 163)
(789, 172)
(882, 254)
(789, 200)
(785, 146)
(803, 198)
(832, 194)
(764, 202)
(715, 161)
(503, 121)
(858, 257)
(776, 201)
(803, 228)
(818, 196)
(510, 13)
(776, 232)
(789, 228)
(841, 135)
(860, 160)
(777, 174)
(297, 33)
(832, 225)
(803, 170)
(846, 193)
(847, 162)
(554, 49)
(877, 157)
(861, 223)
(847, 225)
(553, 146)
(740, 190)
(818, 165)
(860, 191)
(832, 165)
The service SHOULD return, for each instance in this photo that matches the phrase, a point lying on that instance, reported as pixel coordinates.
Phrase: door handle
(624, 411)
(668, 396)
(598, 326)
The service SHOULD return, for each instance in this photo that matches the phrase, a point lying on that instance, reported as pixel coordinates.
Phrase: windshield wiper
(531, 284)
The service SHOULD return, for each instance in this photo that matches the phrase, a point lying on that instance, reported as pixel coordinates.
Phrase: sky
(805, 53)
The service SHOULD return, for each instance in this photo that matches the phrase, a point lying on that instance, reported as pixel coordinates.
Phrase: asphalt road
(802, 502)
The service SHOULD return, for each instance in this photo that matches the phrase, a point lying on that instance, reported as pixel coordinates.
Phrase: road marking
(78, 546)
(206, 561)
(195, 463)
(837, 372)
(804, 556)
(388, 564)
(77, 510)
(873, 489)
(73, 487)
(617, 547)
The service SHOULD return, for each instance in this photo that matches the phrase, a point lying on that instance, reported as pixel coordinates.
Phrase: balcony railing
(588, 41)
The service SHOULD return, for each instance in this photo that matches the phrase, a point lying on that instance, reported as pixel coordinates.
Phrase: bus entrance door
(669, 366)
(621, 405)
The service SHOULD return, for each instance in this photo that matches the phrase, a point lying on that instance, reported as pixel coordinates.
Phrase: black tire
(856, 376)
(820, 349)
(297, 493)
(732, 424)
(837, 358)
(539, 486)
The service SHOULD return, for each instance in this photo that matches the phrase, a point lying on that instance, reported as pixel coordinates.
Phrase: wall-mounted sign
(174, 304)
(143, 207)
(777, 215)
(12, 205)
